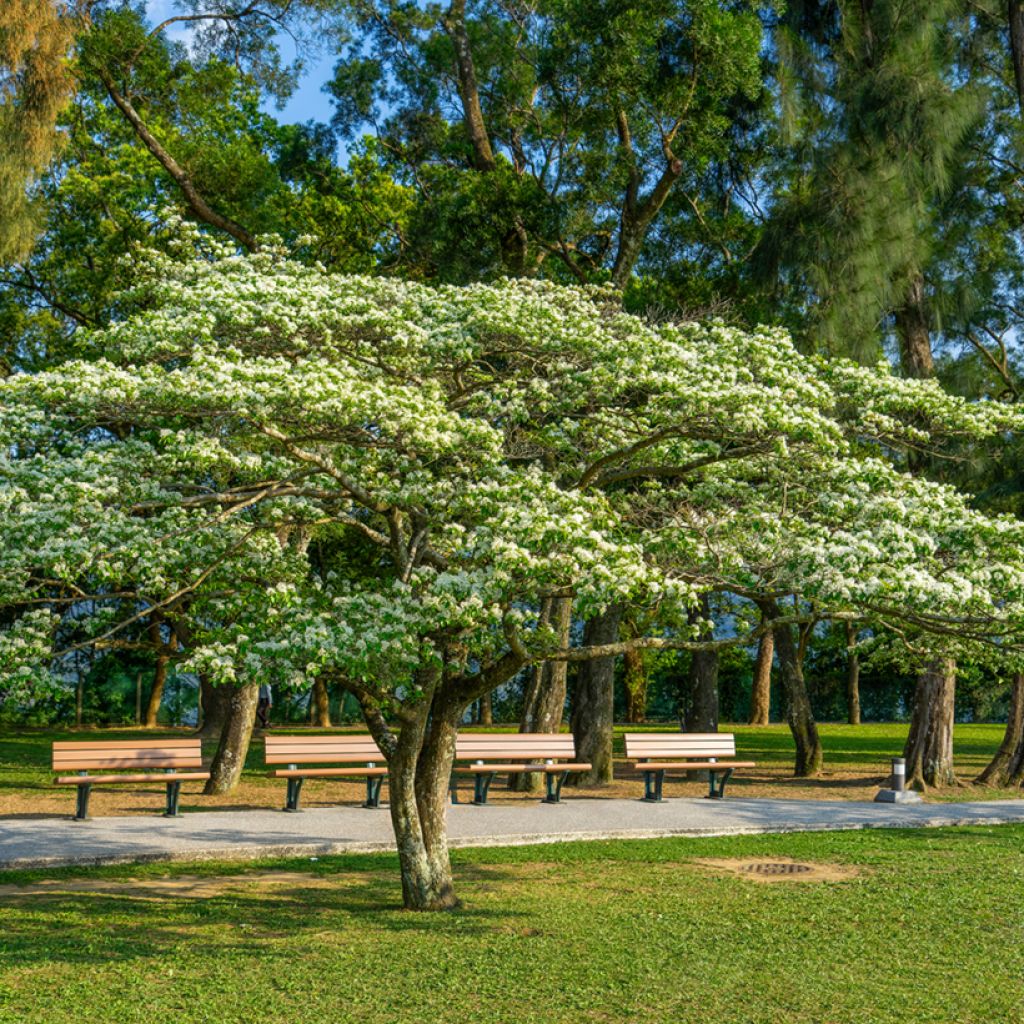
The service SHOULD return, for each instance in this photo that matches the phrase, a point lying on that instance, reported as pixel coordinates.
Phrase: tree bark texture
(914, 330)
(635, 680)
(852, 676)
(1015, 16)
(761, 689)
(809, 751)
(544, 697)
(228, 762)
(321, 702)
(594, 702)
(485, 710)
(216, 705)
(929, 747)
(702, 706)
(196, 202)
(1007, 767)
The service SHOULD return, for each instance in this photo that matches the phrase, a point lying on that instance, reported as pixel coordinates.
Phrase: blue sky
(307, 103)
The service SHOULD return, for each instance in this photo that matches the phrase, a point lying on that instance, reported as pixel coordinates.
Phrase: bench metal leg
(554, 782)
(173, 792)
(653, 782)
(725, 776)
(292, 798)
(481, 784)
(453, 788)
(82, 801)
(373, 790)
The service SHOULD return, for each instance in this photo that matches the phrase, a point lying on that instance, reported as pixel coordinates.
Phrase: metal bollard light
(898, 792)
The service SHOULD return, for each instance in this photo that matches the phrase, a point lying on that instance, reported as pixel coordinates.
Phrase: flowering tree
(386, 482)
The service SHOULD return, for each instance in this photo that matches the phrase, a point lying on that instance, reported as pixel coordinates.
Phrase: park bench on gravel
(489, 754)
(137, 761)
(352, 755)
(658, 752)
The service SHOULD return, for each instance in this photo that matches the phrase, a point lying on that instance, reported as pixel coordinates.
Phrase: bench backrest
(352, 748)
(644, 745)
(139, 754)
(514, 746)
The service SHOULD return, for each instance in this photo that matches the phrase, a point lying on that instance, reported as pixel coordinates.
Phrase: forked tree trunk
(809, 752)
(321, 702)
(761, 691)
(544, 698)
(929, 748)
(419, 770)
(852, 676)
(594, 702)
(1007, 767)
(216, 703)
(228, 762)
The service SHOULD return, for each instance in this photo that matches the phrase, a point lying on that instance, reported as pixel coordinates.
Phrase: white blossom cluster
(352, 473)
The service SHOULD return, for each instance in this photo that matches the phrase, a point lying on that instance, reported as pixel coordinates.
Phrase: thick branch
(199, 206)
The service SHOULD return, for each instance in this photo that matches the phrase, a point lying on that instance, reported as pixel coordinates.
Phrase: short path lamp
(898, 793)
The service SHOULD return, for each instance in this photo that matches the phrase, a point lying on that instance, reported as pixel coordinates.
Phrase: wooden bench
(143, 759)
(703, 749)
(358, 753)
(553, 754)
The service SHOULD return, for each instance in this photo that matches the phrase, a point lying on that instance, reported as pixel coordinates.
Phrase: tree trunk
(1007, 767)
(635, 680)
(228, 762)
(915, 336)
(929, 749)
(485, 714)
(156, 694)
(594, 702)
(761, 691)
(1015, 14)
(216, 701)
(702, 708)
(419, 769)
(544, 699)
(852, 676)
(809, 752)
(321, 701)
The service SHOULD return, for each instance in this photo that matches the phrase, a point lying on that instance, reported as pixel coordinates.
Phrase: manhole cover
(765, 867)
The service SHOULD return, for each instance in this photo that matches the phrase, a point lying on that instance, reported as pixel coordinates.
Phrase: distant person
(263, 706)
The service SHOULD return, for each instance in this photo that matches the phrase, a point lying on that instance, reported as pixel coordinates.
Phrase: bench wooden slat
(184, 742)
(326, 773)
(691, 765)
(160, 777)
(505, 766)
(489, 746)
(321, 749)
(181, 753)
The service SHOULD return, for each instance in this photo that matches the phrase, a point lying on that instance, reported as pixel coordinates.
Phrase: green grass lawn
(928, 931)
